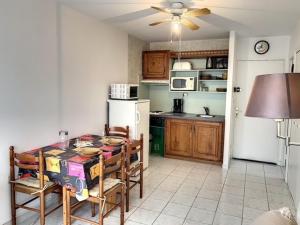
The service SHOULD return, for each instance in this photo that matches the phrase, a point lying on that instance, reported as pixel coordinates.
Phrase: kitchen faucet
(206, 109)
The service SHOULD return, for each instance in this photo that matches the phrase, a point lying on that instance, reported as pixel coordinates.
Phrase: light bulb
(176, 27)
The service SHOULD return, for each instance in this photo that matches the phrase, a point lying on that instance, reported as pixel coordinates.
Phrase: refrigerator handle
(138, 117)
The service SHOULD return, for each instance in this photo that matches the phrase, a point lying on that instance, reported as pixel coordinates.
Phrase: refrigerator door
(123, 113)
(135, 114)
(142, 127)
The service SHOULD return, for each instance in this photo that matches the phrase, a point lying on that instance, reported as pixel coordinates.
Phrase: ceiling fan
(179, 15)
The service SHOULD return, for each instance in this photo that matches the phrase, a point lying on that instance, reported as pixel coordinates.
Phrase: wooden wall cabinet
(156, 65)
(195, 140)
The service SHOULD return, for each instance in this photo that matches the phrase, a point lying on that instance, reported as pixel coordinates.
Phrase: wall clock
(261, 47)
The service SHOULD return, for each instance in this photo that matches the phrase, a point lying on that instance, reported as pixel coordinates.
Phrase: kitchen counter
(190, 116)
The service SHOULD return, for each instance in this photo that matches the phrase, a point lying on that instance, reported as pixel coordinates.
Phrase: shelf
(213, 80)
(185, 70)
(213, 70)
(200, 70)
(200, 54)
(212, 92)
(157, 82)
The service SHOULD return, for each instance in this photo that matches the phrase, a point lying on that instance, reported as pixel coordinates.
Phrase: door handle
(138, 116)
(237, 111)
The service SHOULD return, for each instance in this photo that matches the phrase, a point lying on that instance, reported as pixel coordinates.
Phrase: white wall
(162, 99)
(279, 50)
(93, 56)
(135, 64)
(28, 82)
(294, 160)
(230, 104)
(55, 68)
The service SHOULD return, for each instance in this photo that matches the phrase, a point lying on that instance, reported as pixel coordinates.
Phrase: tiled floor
(182, 192)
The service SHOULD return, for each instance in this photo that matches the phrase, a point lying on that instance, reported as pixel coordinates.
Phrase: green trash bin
(157, 143)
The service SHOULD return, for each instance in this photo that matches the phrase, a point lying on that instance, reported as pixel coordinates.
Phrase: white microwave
(183, 83)
(124, 91)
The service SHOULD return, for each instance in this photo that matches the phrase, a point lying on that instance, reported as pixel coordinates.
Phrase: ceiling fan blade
(160, 9)
(197, 12)
(160, 22)
(189, 24)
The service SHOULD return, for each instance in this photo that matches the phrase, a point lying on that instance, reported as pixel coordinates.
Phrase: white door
(254, 138)
(143, 109)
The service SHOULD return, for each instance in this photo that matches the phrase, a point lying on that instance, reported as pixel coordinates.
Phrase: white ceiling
(247, 17)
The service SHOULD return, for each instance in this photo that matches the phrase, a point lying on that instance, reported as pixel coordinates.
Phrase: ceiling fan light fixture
(176, 25)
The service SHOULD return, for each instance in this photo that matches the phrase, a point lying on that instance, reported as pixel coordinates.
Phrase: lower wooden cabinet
(193, 139)
(179, 139)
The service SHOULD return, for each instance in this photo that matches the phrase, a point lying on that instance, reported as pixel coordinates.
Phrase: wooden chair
(101, 193)
(117, 131)
(132, 168)
(36, 187)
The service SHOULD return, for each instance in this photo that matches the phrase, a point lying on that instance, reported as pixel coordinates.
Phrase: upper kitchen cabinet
(156, 65)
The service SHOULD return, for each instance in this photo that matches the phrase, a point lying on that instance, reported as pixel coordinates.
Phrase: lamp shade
(275, 96)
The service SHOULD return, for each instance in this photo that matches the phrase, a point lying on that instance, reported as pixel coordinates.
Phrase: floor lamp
(277, 96)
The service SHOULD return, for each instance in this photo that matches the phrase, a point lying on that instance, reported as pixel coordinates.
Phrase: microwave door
(133, 92)
(179, 83)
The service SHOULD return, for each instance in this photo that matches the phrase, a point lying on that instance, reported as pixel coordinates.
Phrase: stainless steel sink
(205, 116)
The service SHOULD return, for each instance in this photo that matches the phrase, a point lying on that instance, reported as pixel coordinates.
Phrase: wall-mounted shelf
(212, 92)
(155, 82)
(213, 80)
(199, 54)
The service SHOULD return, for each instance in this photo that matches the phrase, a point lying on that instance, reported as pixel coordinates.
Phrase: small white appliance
(135, 114)
(182, 66)
(124, 91)
(183, 83)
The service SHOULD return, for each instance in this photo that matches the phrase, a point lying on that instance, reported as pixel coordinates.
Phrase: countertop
(189, 116)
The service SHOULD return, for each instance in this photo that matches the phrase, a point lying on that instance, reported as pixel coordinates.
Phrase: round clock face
(261, 47)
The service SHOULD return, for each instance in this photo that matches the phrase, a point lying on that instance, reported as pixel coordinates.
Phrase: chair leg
(13, 204)
(127, 192)
(68, 208)
(122, 206)
(141, 182)
(100, 212)
(42, 208)
(93, 209)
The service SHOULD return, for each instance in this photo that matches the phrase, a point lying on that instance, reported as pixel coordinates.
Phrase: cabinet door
(156, 64)
(179, 140)
(208, 141)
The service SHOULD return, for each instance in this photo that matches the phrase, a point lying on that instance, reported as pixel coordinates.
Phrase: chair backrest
(134, 147)
(28, 162)
(109, 166)
(117, 131)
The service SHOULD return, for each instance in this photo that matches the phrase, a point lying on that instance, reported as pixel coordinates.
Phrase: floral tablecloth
(68, 168)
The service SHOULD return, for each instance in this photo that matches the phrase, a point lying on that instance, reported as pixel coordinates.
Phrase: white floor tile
(249, 213)
(230, 209)
(222, 219)
(213, 195)
(144, 216)
(183, 199)
(232, 199)
(168, 220)
(178, 210)
(154, 204)
(200, 216)
(205, 204)
(256, 203)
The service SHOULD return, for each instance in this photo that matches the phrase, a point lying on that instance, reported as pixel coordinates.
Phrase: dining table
(66, 166)
(70, 169)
